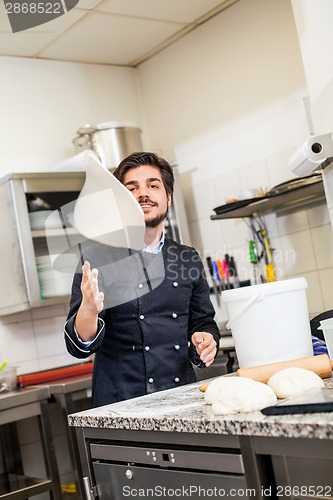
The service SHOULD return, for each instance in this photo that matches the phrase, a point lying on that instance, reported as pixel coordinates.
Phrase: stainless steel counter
(69, 393)
(21, 397)
(18, 405)
(79, 386)
(36, 401)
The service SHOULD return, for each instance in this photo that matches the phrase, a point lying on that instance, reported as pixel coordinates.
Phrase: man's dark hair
(139, 159)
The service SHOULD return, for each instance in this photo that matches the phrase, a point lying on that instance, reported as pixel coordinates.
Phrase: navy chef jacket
(153, 305)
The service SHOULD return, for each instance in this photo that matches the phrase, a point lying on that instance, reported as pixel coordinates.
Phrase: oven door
(161, 472)
(117, 482)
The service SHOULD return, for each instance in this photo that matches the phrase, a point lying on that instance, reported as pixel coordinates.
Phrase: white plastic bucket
(269, 322)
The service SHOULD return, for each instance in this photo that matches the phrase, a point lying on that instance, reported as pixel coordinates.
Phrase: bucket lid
(264, 289)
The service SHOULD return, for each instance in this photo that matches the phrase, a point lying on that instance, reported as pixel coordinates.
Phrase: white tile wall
(33, 340)
(280, 259)
(42, 335)
(226, 187)
(293, 222)
(314, 293)
(328, 183)
(204, 197)
(212, 237)
(196, 239)
(241, 256)
(326, 283)
(18, 345)
(323, 246)
(319, 215)
(28, 431)
(298, 252)
(278, 167)
(33, 460)
(235, 232)
(189, 203)
(254, 175)
(271, 222)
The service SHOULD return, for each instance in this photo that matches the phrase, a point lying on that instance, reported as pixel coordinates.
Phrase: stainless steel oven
(122, 471)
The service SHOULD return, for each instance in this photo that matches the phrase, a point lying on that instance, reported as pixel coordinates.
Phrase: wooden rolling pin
(321, 365)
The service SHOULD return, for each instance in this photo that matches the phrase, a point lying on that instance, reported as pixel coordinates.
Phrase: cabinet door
(303, 477)
(302, 467)
(13, 291)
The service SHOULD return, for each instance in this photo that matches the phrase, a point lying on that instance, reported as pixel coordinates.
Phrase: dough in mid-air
(292, 381)
(229, 395)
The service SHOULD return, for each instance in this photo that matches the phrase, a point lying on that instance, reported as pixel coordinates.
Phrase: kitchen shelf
(15, 486)
(16, 406)
(41, 233)
(290, 200)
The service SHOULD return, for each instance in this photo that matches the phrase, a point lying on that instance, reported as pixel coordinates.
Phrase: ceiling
(114, 32)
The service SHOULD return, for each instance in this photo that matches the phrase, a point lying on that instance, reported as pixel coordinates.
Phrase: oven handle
(88, 490)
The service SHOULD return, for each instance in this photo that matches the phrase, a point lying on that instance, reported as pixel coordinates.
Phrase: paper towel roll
(300, 164)
(313, 153)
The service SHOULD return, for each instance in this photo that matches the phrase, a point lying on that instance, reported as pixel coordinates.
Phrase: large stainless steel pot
(111, 141)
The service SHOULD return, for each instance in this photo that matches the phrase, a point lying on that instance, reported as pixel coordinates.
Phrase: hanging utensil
(211, 272)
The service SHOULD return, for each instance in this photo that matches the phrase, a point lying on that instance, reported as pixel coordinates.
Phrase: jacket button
(174, 315)
(175, 284)
(141, 316)
(150, 380)
(140, 285)
(176, 379)
(147, 348)
(177, 347)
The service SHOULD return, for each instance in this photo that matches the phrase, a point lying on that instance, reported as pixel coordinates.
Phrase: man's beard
(152, 223)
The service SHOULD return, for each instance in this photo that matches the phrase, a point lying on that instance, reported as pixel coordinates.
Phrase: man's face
(146, 185)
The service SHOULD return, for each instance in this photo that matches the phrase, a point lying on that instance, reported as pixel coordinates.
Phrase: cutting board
(316, 401)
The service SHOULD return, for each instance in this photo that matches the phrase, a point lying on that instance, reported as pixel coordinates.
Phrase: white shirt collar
(157, 248)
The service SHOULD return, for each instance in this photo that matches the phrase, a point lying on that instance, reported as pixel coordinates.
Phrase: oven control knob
(129, 474)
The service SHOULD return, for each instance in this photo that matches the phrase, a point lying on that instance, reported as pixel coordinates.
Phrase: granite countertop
(184, 410)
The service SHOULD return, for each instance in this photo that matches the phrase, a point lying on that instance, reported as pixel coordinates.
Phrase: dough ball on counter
(229, 395)
(292, 381)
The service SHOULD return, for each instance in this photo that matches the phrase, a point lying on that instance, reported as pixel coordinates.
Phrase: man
(146, 315)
